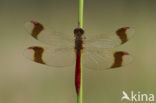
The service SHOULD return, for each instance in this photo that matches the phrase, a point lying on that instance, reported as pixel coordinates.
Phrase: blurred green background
(23, 81)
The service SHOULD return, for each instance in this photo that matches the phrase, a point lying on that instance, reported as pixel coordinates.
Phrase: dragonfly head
(78, 32)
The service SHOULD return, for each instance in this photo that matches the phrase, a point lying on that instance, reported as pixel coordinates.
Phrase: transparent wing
(100, 59)
(111, 40)
(51, 57)
(46, 35)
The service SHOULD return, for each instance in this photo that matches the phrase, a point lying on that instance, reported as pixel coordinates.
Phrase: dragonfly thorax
(78, 32)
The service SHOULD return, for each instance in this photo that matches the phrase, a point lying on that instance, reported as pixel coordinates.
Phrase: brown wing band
(36, 30)
(38, 52)
(117, 59)
(122, 35)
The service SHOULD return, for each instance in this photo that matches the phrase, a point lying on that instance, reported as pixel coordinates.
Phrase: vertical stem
(80, 13)
(80, 25)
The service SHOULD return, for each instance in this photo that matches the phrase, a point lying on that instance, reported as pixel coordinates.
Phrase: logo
(137, 97)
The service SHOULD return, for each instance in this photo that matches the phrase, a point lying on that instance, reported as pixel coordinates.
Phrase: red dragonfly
(67, 49)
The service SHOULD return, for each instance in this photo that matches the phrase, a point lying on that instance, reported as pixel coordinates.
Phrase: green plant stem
(80, 13)
(80, 25)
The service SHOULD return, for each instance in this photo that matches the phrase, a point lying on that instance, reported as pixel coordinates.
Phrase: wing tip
(126, 27)
(30, 48)
(34, 22)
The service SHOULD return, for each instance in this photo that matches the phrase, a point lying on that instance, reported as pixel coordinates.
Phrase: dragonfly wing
(43, 34)
(51, 57)
(100, 59)
(112, 40)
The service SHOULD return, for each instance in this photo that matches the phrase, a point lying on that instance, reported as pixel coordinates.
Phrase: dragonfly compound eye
(78, 31)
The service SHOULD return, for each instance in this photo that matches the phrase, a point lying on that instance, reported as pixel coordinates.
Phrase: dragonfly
(66, 50)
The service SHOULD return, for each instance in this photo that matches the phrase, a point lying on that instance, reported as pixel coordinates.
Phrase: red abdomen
(78, 72)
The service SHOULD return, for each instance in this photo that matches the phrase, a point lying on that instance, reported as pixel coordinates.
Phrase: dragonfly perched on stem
(68, 50)
(97, 52)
